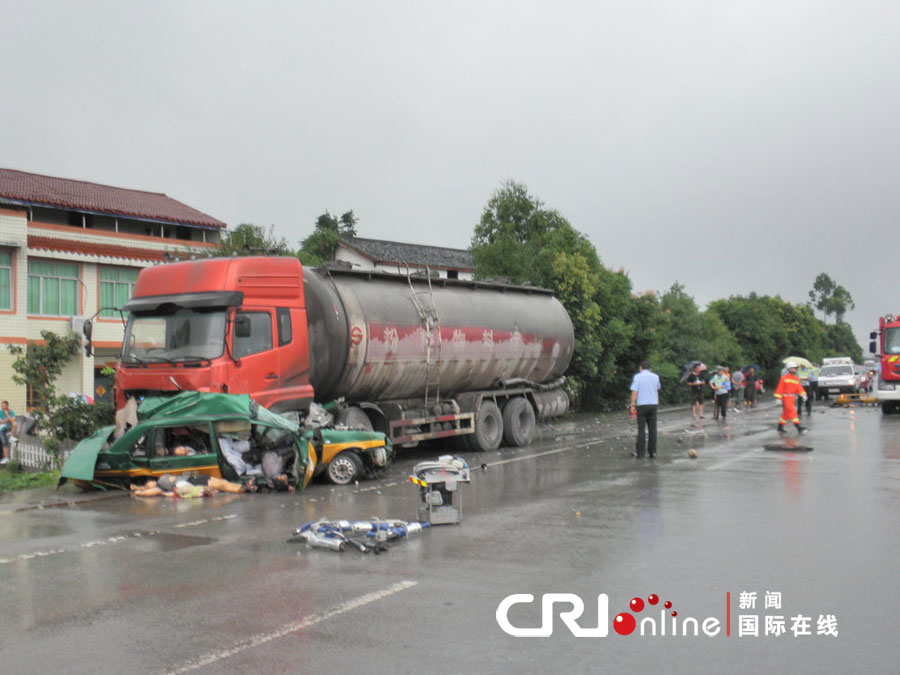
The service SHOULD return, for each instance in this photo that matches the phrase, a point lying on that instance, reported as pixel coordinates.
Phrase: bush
(72, 420)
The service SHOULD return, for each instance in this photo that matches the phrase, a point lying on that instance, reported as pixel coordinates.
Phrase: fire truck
(885, 344)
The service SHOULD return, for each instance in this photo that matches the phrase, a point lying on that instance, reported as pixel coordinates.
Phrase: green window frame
(52, 288)
(116, 288)
(5, 280)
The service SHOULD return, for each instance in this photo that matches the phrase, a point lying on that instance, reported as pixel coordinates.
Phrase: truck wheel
(518, 422)
(488, 428)
(345, 468)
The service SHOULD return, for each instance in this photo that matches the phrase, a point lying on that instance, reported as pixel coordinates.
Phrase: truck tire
(345, 468)
(518, 422)
(488, 429)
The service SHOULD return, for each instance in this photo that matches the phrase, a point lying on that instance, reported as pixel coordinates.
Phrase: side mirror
(88, 330)
(873, 335)
(242, 326)
(873, 347)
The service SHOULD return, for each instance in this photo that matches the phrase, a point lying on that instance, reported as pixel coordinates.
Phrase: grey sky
(731, 146)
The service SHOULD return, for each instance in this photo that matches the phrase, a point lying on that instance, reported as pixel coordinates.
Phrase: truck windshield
(181, 335)
(892, 341)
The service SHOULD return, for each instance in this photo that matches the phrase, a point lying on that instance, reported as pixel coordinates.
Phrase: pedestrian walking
(750, 380)
(737, 386)
(720, 383)
(803, 374)
(645, 402)
(697, 384)
(788, 389)
(814, 383)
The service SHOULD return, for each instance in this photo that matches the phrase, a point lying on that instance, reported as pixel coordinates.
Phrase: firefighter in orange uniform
(788, 389)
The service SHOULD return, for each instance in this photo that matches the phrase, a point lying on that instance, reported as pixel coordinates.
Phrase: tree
(60, 417)
(248, 239)
(830, 298)
(520, 240)
(39, 364)
(320, 246)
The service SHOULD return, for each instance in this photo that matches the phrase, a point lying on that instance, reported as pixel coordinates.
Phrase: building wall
(108, 248)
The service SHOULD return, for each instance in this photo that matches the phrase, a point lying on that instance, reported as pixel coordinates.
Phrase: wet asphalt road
(120, 584)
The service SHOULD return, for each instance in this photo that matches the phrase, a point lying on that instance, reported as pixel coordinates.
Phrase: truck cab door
(258, 372)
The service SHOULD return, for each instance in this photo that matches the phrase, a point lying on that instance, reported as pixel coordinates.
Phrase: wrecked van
(190, 431)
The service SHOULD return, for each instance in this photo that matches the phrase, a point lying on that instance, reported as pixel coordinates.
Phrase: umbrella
(755, 367)
(688, 367)
(799, 360)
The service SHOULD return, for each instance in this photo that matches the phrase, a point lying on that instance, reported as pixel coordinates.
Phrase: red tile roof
(91, 248)
(78, 195)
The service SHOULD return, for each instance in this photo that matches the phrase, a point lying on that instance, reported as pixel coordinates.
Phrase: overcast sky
(733, 146)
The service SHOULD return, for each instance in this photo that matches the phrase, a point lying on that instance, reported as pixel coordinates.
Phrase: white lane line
(541, 454)
(106, 542)
(732, 460)
(294, 627)
(207, 520)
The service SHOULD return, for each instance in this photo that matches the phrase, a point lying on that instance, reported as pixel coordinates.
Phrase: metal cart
(438, 498)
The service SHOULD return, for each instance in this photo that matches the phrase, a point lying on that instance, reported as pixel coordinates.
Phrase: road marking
(294, 627)
(207, 520)
(541, 454)
(118, 539)
(732, 460)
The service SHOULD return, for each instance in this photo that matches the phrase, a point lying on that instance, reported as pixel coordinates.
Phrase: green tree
(248, 239)
(687, 334)
(830, 298)
(520, 240)
(59, 417)
(320, 246)
(39, 364)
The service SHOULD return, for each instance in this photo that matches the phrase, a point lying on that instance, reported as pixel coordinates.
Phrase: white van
(838, 376)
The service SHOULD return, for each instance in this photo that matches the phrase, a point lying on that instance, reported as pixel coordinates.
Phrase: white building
(69, 249)
(397, 258)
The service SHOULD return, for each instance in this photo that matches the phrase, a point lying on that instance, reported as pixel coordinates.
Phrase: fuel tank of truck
(377, 336)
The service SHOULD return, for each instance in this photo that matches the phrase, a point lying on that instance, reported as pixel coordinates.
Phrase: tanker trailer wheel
(518, 422)
(488, 428)
(345, 468)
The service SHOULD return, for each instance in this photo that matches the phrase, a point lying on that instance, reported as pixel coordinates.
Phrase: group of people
(745, 385)
(269, 471)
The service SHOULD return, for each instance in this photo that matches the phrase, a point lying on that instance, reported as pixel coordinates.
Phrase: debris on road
(365, 536)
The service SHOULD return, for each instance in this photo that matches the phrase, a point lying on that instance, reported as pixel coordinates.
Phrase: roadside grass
(12, 480)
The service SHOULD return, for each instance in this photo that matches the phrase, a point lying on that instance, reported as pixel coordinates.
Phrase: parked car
(182, 433)
(839, 378)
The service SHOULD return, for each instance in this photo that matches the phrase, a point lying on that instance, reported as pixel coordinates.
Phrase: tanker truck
(414, 357)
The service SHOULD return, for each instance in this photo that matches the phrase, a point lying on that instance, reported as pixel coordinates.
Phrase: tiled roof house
(69, 247)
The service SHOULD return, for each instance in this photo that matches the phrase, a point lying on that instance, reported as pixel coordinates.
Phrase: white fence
(30, 452)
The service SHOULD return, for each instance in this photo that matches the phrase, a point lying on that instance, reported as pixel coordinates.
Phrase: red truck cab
(886, 344)
(218, 325)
